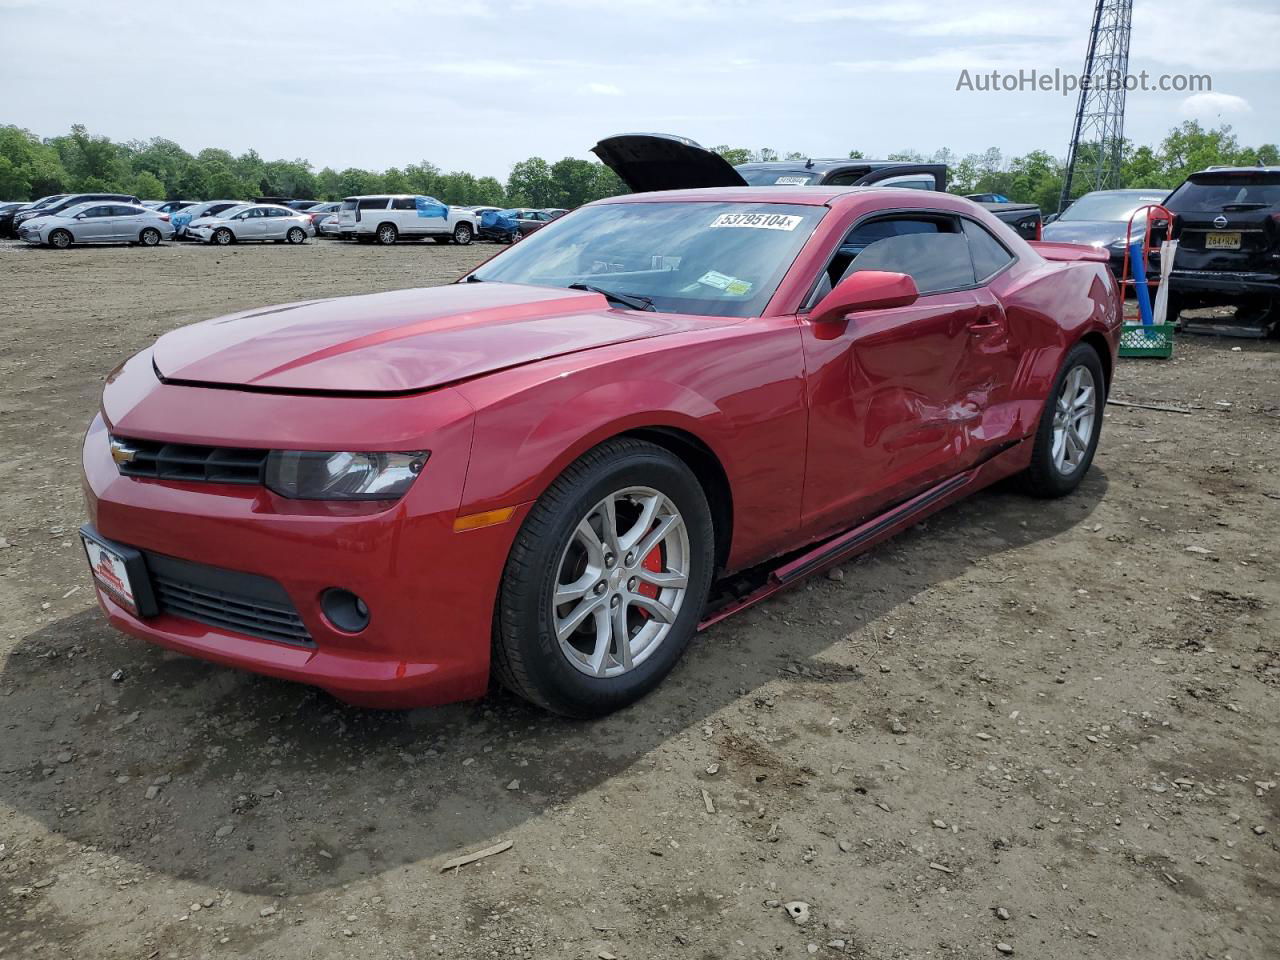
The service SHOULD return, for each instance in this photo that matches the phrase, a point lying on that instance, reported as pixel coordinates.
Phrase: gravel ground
(1047, 729)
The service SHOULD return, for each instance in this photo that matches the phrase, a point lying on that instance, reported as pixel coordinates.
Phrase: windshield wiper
(633, 300)
(1243, 205)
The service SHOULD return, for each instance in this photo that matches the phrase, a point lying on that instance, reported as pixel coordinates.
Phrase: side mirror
(866, 290)
(79, 216)
(1050, 218)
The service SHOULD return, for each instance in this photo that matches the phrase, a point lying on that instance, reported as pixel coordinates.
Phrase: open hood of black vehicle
(663, 161)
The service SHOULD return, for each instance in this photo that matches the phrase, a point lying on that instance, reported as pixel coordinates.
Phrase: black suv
(70, 200)
(1227, 221)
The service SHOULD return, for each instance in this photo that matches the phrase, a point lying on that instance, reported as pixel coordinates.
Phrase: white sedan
(98, 222)
(253, 221)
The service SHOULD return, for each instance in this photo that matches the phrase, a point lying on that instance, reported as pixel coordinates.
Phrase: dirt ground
(1045, 728)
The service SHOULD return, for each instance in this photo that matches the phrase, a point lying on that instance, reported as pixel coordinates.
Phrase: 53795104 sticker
(758, 221)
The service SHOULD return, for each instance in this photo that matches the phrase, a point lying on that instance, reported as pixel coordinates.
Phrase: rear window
(1214, 193)
(773, 177)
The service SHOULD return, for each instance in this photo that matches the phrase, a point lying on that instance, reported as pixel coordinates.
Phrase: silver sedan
(253, 222)
(98, 222)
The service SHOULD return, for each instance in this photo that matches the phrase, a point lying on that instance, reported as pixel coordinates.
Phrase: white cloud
(1211, 105)
(603, 89)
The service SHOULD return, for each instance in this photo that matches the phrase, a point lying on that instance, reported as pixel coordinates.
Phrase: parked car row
(1227, 224)
(390, 218)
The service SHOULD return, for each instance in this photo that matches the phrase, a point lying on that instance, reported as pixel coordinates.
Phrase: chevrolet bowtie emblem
(121, 452)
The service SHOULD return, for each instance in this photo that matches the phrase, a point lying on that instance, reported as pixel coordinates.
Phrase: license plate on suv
(1222, 241)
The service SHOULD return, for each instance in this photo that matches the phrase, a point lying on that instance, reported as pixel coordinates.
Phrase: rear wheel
(387, 233)
(606, 582)
(462, 234)
(149, 237)
(60, 239)
(222, 236)
(1069, 426)
(296, 235)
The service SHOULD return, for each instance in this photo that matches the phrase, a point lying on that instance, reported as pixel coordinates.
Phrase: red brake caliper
(653, 562)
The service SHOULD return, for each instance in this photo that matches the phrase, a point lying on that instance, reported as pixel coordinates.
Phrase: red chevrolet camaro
(653, 412)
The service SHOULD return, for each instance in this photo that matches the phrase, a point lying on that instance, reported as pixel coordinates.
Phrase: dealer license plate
(1222, 241)
(109, 569)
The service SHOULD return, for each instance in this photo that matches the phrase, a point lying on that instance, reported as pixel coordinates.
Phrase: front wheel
(296, 235)
(222, 236)
(462, 234)
(1069, 426)
(606, 582)
(60, 239)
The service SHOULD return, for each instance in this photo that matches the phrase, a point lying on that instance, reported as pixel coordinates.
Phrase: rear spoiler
(1068, 252)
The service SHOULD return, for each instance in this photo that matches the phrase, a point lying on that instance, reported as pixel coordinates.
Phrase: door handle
(985, 323)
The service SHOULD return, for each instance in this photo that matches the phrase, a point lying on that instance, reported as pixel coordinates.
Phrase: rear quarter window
(989, 254)
(373, 203)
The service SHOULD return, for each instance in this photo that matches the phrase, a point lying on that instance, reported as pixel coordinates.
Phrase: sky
(478, 84)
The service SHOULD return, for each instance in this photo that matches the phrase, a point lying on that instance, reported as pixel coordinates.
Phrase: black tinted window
(1210, 194)
(373, 203)
(403, 203)
(936, 261)
(989, 255)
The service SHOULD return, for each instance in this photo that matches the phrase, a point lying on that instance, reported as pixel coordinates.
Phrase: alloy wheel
(1074, 415)
(621, 582)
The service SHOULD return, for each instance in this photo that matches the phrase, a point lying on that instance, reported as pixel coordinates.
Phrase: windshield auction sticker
(792, 181)
(758, 221)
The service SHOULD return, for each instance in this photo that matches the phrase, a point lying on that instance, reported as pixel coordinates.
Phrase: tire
(463, 234)
(296, 235)
(387, 234)
(554, 669)
(1175, 307)
(60, 239)
(1065, 441)
(149, 237)
(222, 236)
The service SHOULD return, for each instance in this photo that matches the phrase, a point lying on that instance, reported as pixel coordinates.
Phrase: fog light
(344, 610)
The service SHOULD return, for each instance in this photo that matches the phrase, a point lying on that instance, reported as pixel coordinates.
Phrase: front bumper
(430, 590)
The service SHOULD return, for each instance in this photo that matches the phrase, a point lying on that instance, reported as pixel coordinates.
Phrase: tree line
(158, 169)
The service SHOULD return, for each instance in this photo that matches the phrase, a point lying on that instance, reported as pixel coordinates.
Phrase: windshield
(1210, 194)
(1108, 206)
(707, 258)
(228, 211)
(773, 177)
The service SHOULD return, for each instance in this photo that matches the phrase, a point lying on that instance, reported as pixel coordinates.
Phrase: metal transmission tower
(1097, 137)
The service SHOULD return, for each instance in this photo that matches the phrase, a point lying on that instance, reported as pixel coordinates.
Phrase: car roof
(818, 196)
(825, 164)
(1270, 168)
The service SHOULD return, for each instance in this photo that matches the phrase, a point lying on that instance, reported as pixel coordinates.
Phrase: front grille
(227, 599)
(181, 461)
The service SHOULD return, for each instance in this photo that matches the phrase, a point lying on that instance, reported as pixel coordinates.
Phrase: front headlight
(313, 475)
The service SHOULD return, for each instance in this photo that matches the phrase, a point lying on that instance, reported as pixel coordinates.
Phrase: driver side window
(931, 249)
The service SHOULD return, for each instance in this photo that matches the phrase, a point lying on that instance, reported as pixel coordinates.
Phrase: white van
(388, 218)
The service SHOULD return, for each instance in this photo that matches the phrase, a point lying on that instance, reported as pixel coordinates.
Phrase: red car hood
(401, 341)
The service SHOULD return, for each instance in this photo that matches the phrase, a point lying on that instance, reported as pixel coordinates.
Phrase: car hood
(664, 161)
(401, 341)
(1103, 232)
